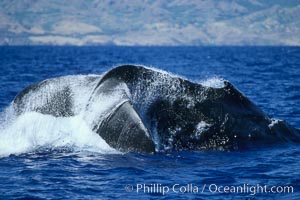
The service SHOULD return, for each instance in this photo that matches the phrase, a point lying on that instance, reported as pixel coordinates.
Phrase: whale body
(139, 109)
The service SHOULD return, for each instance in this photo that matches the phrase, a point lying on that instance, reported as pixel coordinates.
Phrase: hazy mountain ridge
(130, 22)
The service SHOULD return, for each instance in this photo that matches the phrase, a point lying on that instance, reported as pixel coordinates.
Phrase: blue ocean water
(269, 76)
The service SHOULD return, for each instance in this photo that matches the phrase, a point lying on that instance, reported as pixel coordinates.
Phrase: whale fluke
(139, 109)
(124, 130)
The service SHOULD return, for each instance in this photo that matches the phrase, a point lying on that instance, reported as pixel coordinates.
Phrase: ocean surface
(36, 164)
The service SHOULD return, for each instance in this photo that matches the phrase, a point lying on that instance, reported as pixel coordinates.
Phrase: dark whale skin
(161, 111)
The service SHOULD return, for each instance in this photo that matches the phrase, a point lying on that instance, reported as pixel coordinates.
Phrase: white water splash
(213, 82)
(201, 127)
(273, 123)
(31, 130)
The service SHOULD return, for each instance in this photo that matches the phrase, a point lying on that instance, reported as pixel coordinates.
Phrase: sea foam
(29, 130)
(33, 130)
(213, 82)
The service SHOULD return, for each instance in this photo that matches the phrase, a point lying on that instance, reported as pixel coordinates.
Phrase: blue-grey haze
(150, 22)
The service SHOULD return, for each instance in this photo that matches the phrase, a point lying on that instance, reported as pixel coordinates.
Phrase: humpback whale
(139, 109)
